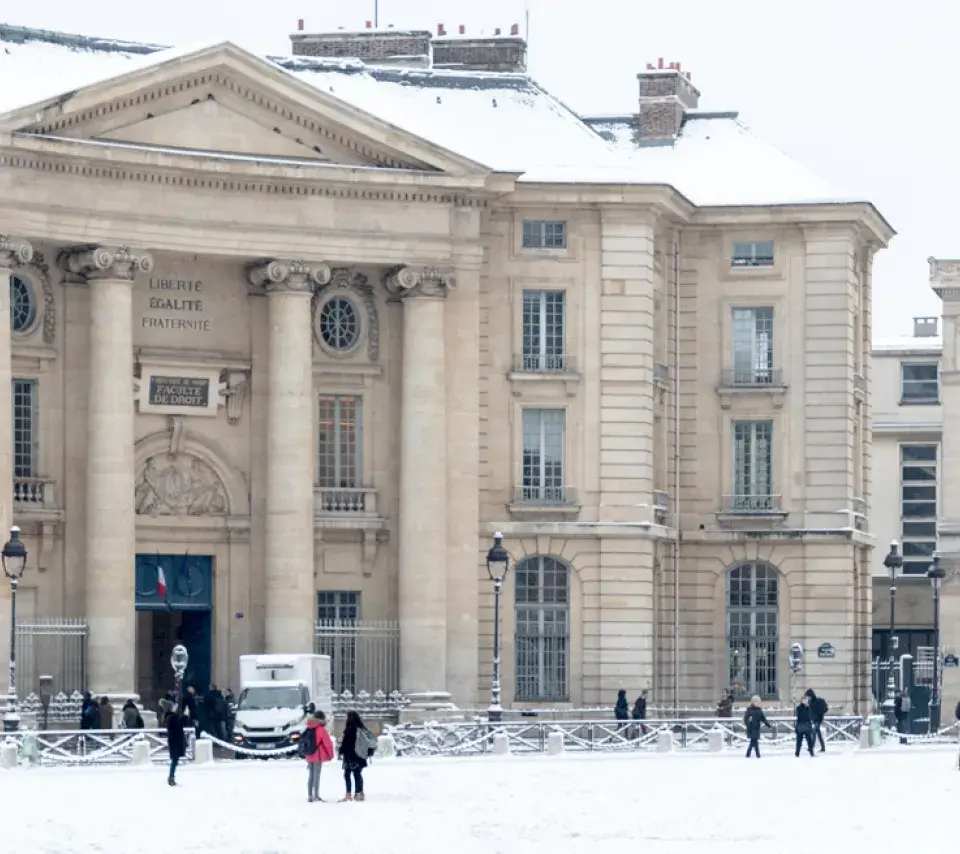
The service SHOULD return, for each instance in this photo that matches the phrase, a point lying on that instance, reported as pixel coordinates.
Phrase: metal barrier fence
(53, 647)
(476, 738)
(92, 747)
(364, 654)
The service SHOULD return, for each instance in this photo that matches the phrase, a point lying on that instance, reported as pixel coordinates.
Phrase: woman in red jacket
(322, 752)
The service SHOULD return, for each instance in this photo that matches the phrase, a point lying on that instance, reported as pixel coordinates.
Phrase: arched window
(23, 306)
(752, 629)
(339, 324)
(542, 634)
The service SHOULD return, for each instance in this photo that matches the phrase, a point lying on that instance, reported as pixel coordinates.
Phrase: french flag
(161, 583)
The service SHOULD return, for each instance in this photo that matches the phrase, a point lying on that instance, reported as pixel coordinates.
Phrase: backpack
(365, 745)
(824, 708)
(308, 743)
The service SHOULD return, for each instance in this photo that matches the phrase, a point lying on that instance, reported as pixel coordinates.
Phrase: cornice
(661, 199)
(860, 216)
(82, 159)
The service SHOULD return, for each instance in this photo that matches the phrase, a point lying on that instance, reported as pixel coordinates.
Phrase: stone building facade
(279, 351)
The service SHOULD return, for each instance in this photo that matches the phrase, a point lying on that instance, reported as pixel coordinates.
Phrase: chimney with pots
(496, 53)
(404, 48)
(926, 327)
(666, 94)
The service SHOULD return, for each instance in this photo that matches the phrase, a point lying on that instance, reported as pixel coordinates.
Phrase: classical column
(111, 537)
(290, 596)
(13, 253)
(423, 481)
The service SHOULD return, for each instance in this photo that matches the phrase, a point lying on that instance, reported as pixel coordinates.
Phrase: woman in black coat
(176, 742)
(753, 719)
(804, 726)
(353, 763)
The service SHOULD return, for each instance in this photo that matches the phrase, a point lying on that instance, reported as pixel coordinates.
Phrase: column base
(428, 705)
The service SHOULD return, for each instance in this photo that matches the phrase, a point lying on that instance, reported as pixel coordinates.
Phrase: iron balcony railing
(545, 496)
(542, 363)
(751, 504)
(753, 378)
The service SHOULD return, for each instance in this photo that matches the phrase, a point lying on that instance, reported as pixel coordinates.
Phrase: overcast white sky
(860, 91)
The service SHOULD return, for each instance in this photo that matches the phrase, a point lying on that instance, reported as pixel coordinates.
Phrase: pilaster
(14, 251)
(289, 538)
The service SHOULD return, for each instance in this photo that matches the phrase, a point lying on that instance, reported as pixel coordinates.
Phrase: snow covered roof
(507, 122)
(925, 346)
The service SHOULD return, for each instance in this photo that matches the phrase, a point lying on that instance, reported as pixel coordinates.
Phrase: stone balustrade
(357, 501)
(33, 492)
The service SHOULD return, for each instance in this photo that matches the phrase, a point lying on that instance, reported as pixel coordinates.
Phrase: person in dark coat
(176, 741)
(89, 712)
(725, 706)
(106, 713)
(130, 716)
(753, 719)
(639, 713)
(818, 711)
(804, 726)
(353, 764)
(216, 722)
(621, 711)
(230, 710)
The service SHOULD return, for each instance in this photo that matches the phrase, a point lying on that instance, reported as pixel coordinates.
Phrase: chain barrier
(942, 736)
(246, 751)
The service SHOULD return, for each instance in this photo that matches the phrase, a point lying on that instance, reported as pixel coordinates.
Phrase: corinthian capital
(107, 262)
(14, 251)
(289, 276)
(407, 282)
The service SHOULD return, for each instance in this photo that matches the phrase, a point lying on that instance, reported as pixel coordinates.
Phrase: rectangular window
(543, 443)
(752, 346)
(338, 465)
(920, 383)
(918, 506)
(338, 605)
(753, 253)
(753, 466)
(542, 630)
(337, 636)
(24, 428)
(543, 331)
(544, 234)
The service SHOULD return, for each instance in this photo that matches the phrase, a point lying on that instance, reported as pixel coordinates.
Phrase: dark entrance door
(174, 601)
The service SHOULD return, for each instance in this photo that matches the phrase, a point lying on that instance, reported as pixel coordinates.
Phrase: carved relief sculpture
(14, 251)
(40, 264)
(404, 282)
(179, 485)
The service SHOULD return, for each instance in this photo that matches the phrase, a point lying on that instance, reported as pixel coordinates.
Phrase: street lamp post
(179, 659)
(935, 574)
(14, 559)
(893, 561)
(498, 564)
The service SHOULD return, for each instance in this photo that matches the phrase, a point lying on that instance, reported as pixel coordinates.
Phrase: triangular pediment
(222, 100)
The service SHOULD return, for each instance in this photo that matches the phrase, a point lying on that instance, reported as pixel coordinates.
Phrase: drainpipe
(676, 468)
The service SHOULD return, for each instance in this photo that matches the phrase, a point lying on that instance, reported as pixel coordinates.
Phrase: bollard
(204, 754)
(865, 739)
(501, 744)
(141, 754)
(715, 740)
(555, 743)
(9, 755)
(386, 747)
(664, 741)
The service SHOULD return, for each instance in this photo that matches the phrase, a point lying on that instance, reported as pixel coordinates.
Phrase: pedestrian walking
(753, 719)
(176, 742)
(639, 712)
(89, 712)
(356, 748)
(804, 726)
(818, 711)
(106, 714)
(316, 747)
(901, 711)
(725, 706)
(621, 710)
(130, 716)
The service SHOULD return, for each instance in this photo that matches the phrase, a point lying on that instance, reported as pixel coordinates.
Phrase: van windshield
(262, 699)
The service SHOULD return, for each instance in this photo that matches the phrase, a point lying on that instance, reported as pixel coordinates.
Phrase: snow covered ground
(681, 804)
